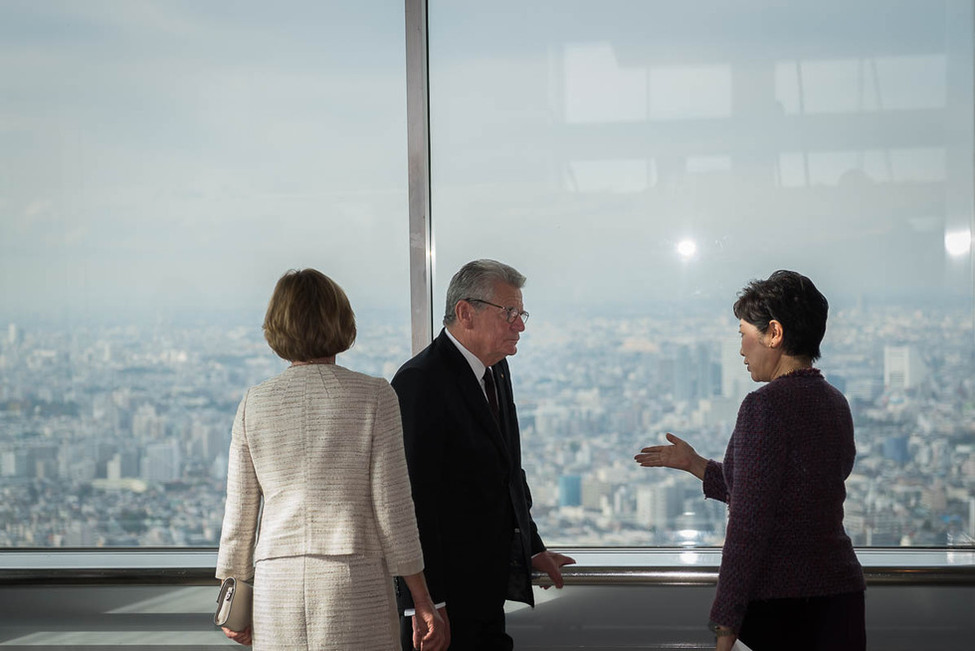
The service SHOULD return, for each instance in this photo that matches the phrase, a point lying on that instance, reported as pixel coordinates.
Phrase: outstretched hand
(679, 455)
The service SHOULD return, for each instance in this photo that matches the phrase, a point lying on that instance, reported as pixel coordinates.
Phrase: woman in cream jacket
(319, 513)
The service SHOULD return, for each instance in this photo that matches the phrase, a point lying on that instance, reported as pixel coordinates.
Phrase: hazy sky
(185, 154)
(188, 153)
(828, 139)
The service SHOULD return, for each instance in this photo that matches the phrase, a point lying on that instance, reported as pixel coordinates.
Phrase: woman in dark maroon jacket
(789, 577)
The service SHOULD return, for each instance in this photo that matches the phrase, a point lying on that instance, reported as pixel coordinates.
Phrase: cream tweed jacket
(317, 467)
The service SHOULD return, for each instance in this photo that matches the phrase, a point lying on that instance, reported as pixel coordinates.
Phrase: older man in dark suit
(463, 450)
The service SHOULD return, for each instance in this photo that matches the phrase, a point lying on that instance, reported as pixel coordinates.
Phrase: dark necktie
(492, 396)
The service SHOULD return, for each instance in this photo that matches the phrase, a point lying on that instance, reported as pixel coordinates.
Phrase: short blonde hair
(308, 317)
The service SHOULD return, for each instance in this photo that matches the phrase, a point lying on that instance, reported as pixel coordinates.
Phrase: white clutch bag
(234, 604)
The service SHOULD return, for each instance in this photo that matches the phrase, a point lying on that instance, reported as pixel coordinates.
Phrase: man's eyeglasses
(510, 313)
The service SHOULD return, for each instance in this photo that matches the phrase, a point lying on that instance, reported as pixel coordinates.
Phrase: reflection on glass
(640, 162)
(958, 243)
(867, 84)
(598, 90)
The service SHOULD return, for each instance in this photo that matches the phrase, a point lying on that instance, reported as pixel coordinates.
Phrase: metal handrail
(670, 576)
(196, 566)
(576, 575)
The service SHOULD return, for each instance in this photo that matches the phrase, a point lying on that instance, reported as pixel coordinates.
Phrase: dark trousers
(833, 623)
(470, 630)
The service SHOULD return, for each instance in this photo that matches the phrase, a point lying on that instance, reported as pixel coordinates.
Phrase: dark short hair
(791, 299)
(308, 317)
(477, 279)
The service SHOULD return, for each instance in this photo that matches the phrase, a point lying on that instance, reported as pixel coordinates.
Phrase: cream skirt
(324, 602)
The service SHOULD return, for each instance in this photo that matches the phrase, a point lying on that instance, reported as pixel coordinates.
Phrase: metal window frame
(418, 152)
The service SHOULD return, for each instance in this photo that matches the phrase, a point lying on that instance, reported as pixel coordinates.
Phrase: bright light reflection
(958, 242)
(686, 249)
(689, 558)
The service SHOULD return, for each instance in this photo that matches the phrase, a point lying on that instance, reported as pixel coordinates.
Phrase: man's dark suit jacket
(469, 489)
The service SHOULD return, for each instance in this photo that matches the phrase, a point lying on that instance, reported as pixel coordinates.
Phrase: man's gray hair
(477, 279)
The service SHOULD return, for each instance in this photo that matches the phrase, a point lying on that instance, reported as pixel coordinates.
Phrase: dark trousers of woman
(833, 623)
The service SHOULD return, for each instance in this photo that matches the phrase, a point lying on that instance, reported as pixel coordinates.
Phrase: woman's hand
(725, 642)
(431, 630)
(240, 637)
(679, 455)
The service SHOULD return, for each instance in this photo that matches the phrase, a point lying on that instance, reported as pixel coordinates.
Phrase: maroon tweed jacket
(783, 479)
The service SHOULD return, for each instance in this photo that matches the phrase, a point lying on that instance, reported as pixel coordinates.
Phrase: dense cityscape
(118, 435)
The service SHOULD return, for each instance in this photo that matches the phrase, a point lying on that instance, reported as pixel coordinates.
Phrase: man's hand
(240, 637)
(550, 563)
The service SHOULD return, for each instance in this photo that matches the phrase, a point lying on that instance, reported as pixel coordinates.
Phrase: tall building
(570, 490)
(658, 504)
(903, 368)
(694, 374)
(161, 462)
(896, 448)
(683, 375)
(15, 463)
(735, 381)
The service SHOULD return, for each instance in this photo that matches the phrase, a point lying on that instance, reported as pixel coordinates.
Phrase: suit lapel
(470, 389)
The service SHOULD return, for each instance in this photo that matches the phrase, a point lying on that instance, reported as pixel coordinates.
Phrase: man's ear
(464, 312)
(774, 334)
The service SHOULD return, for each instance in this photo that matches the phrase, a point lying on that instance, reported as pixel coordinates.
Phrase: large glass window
(640, 162)
(162, 163)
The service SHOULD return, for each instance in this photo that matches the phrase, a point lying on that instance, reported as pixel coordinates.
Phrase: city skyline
(118, 436)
